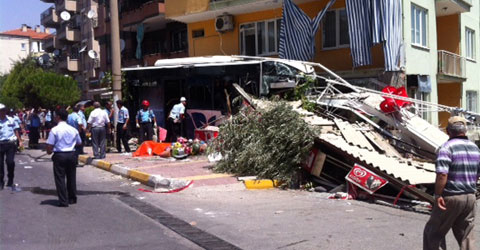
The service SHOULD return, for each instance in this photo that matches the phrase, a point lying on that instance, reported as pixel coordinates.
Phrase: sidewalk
(144, 169)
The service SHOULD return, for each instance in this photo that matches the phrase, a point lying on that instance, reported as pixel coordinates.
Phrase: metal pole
(116, 60)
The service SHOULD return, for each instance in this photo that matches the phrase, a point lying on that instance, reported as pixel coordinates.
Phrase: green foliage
(88, 111)
(29, 85)
(268, 143)
(300, 92)
(107, 82)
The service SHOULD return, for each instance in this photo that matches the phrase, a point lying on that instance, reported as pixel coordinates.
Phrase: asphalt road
(112, 213)
(30, 219)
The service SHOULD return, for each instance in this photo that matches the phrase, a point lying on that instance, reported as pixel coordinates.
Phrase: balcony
(69, 34)
(52, 44)
(188, 11)
(49, 18)
(136, 12)
(451, 66)
(68, 5)
(451, 7)
(67, 63)
(150, 59)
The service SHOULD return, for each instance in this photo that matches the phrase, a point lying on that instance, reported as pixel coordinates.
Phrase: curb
(261, 184)
(155, 181)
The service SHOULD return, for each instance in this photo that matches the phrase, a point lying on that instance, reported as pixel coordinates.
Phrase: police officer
(61, 142)
(145, 117)
(8, 136)
(122, 127)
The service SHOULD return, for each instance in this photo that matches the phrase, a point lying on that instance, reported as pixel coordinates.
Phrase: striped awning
(297, 32)
(371, 22)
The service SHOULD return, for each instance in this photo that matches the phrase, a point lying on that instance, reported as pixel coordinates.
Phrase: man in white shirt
(61, 141)
(96, 124)
(175, 120)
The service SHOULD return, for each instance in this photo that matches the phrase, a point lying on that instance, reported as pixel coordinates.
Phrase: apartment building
(146, 35)
(438, 50)
(74, 47)
(20, 43)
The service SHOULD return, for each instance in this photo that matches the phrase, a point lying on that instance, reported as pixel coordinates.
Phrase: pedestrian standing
(122, 127)
(34, 128)
(83, 135)
(48, 121)
(175, 120)
(145, 121)
(8, 136)
(457, 169)
(18, 124)
(110, 113)
(96, 124)
(41, 115)
(61, 142)
(76, 122)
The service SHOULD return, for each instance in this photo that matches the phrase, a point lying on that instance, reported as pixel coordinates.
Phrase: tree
(30, 85)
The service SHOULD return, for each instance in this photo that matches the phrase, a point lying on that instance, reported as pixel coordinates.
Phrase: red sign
(365, 179)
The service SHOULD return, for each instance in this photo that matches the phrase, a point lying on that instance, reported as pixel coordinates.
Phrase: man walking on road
(61, 142)
(8, 136)
(122, 127)
(96, 124)
(457, 168)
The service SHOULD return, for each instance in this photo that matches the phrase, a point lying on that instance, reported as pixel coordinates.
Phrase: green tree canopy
(29, 85)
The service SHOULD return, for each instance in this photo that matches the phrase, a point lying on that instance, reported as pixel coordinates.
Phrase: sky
(13, 13)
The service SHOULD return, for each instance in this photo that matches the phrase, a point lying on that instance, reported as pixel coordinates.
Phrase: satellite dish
(92, 54)
(91, 14)
(56, 52)
(122, 44)
(65, 15)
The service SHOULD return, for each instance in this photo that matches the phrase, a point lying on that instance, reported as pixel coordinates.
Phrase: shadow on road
(53, 192)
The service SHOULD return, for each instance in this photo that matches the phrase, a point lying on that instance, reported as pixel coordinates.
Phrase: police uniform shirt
(98, 118)
(7, 129)
(82, 116)
(17, 120)
(75, 120)
(145, 116)
(177, 110)
(123, 115)
(63, 138)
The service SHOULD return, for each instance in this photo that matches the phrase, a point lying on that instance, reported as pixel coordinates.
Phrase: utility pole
(116, 59)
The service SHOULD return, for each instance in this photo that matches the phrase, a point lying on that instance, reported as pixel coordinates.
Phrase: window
(469, 43)
(335, 29)
(472, 101)
(419, 26)
(260, 38)
(198, 33)
(179, 41)
(24, 46)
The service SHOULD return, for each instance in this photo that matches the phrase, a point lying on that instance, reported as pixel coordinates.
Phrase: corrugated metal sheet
(400, 169)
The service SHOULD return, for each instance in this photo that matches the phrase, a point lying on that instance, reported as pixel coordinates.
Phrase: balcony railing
(69, 64)
(68, 5)
(451, 64)
(127, 5)
(69, 33)
(51, 44)
(49, 17)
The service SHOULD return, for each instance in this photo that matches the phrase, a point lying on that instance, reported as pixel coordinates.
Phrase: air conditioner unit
(224, 23)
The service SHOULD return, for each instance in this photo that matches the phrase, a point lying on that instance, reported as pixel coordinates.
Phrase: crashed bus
(206, 82)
